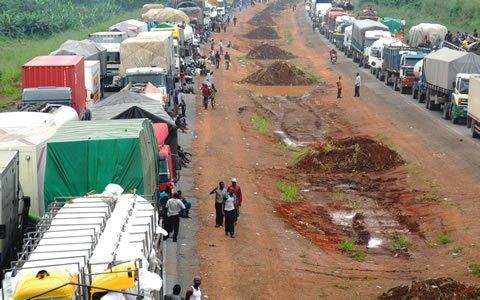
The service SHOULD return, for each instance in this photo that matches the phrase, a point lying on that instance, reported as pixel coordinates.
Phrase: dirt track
(268, 258)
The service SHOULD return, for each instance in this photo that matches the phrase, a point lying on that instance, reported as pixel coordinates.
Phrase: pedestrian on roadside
(230, 211)
(176, 293)
(210, 77)
(217, 59)
(220, 195)
(227, 60)
(184, 213)
(235, 21)
(238, 195)
(205, 94)
(228, 19)
(339, 87)
(220, 47)
(194, 292)
(182, 104)
(174, 206)
(358, 82)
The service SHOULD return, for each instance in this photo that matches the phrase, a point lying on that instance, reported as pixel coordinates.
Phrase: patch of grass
(242, 59)
(444, 239)
(455, 250)
(301, 154)
(341, 286)
(347, 246)
(288, 38)
(360, 256)
(260, 124)
(475, 268)
(288, 148)
(302, 255)
(309, 74)
(16, 52)
(401, 242)
(289, 191)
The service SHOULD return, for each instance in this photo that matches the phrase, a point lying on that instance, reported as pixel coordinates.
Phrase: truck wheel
(402, 90)
(474, 132)
(446, 112)
(469, 122)
(452, 117)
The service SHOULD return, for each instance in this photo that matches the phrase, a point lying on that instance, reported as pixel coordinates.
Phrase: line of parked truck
(435, 72)
(66, 144)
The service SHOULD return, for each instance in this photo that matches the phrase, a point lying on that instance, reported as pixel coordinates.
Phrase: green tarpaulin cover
(394, 25)
(84, 156)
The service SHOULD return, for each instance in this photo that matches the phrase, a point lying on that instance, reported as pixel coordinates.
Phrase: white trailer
(92, 81)
(10, 227)
(473, 109)
(30, 144)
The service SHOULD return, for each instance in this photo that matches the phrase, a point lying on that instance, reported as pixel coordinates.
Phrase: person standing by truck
(174, 206)
(235, 21)
(220, 195)
(358, 82)
(339, 87)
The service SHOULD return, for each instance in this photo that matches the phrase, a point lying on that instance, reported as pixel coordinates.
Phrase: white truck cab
(140, 77)
(375, 52)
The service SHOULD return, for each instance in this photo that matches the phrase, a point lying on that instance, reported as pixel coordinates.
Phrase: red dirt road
(268, 259)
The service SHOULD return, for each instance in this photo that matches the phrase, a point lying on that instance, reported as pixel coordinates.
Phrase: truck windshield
(113, 57)
(370, 41)
(410, 62)
(164, 174)
(464, 83)
(324, 1)
(158, 80)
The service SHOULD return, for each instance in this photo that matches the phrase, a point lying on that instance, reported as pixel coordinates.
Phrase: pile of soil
(439, 288)
(267, 51)
(279, 73)
(356, 154)
(263, 18)
(263, 33)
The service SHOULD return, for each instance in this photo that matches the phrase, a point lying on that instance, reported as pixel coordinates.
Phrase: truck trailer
(473, 110)
(360, 40)
(445, 77)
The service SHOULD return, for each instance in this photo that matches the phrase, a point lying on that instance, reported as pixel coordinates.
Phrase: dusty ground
(288, 251)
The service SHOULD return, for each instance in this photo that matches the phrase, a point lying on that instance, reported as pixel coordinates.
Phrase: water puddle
(286, 140)
(374, 243)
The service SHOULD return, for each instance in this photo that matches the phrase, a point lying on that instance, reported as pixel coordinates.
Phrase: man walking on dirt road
(234, 21)
(238, 194)
(339, 87)
(358, 82)
(220, 195)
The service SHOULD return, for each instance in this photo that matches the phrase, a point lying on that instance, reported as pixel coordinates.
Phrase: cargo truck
(58, 71)
(361, 39)
(168, 164)
(473, 110)
(329, 20)
(10, 219)
(435, 34)
(398, 64)
(131, 27)
(91, 51)
(86, 156)
(103, 246)
(93, 82)
(375, 54)
(30, 143)
(111, 42)
(341, 23)
(444, 83)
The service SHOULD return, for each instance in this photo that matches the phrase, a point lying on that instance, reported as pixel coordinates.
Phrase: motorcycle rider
(333, 55)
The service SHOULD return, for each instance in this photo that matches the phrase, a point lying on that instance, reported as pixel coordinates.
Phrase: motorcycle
(333, 58)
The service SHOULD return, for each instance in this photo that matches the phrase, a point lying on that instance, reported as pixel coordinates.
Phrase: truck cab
(167, 164)
(370, 38)
(457, 108)
(140, 77)
(408, 60)
(110, 41)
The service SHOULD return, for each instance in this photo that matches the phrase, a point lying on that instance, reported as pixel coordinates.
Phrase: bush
(289, 191)
(347, 246)
(45, 17)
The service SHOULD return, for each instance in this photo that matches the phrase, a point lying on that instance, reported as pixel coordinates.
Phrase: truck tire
(421, 97)
(446, 111)
(403, 90)
(469, 122)
(454, 119)
(474, 132)
(415, 94)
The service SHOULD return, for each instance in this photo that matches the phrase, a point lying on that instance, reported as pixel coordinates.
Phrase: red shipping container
(58, 71)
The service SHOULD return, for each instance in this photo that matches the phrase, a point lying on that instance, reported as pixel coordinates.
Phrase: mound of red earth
(263, 18)
(267, 51)
(356, 154)
(263, 33)
(439, 288)
(280, 73)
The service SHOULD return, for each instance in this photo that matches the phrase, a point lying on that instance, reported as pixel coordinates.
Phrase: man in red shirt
(205, 94)
(238, 194)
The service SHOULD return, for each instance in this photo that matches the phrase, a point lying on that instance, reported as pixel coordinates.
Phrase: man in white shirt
(358, 82)
(174, 206)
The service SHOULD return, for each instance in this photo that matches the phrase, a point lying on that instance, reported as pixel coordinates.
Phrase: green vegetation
(46, 17)
(444, 239)
(359, 256)
(401, 242)
(289, 191)
(455, 250)
(309, 74)
(289, 38)
(260, 124)
(461, 15)
(347, 246)
(16, 52)
(475, 268)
